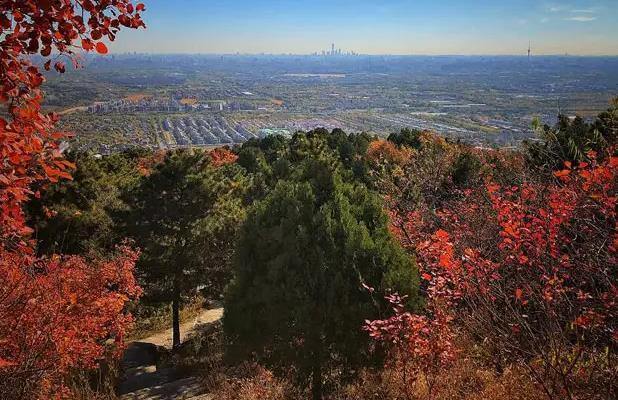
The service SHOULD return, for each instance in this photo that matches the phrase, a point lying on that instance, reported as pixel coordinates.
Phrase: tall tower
(332, 51)
(529, 49)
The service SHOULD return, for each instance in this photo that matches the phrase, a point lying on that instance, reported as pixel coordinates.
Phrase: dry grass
(251, 382)
(463, 381)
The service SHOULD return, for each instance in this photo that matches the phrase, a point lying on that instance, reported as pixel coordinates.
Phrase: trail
(143, 380)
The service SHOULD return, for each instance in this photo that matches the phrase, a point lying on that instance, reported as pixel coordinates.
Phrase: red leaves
(87, 44)
(29, 140)
(56, 312)
(101, 48)
(5, 364)
(422, 344)
(222, 156)
(60, 67)
(520, 263)
(61, 317)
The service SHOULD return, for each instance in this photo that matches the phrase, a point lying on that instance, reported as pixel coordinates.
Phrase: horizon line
(357, 54)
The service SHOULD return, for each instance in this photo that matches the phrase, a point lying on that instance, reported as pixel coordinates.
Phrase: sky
(578, 27)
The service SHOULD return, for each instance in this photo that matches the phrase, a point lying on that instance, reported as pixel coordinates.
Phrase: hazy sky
(376, 26)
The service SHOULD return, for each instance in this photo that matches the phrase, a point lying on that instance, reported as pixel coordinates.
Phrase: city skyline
(397, 27)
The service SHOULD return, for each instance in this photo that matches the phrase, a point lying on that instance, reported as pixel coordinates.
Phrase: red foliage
(423, 344)
(541, 285)
(563, 240)
(28, 142)
(55, 314)
(222, 156)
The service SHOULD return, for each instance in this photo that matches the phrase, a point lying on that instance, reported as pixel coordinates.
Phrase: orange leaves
(445, 259)
(222, 156)
(383, 151)
(53, 174)
(519, 293)
(442, 234)
(563, 173)
(519, 296)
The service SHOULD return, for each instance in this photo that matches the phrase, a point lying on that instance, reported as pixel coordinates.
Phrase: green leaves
(302, 257)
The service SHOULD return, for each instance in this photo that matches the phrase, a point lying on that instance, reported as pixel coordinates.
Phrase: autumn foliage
(56, 313)
(527, 265)
(222, 156)
(28, 141)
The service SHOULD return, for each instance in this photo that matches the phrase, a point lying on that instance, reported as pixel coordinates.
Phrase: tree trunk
(176, 314)
(316, 384)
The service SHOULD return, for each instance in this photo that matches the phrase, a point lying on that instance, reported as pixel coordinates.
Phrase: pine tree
(184, 217)
(304, 257)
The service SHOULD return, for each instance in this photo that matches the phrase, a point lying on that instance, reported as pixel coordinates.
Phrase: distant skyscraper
(332, 52)
(529, 49)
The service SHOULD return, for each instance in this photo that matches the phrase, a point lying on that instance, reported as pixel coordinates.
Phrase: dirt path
(164, 338)
(143, 380)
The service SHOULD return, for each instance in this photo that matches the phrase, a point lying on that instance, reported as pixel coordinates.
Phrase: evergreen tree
(572, 139)
(406, 137)
(304, 253)
(184, 217)
(77, 216)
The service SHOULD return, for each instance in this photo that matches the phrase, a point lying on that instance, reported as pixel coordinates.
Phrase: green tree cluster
(304, 258)
(572, 138)
(77, 216)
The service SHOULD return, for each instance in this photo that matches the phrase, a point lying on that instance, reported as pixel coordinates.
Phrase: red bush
(530, 269)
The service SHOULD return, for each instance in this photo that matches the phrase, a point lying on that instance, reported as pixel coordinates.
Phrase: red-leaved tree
(57, 313)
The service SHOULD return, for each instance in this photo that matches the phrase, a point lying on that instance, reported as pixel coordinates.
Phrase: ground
(144, 380)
